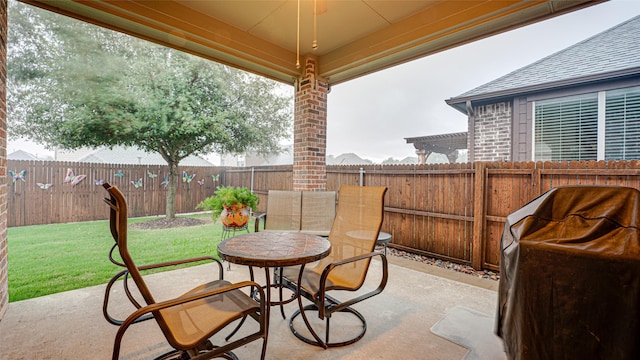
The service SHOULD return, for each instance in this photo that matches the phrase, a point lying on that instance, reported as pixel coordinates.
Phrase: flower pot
(234, 216)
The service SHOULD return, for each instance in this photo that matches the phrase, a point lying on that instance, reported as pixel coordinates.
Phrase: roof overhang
(465, 103)
(354, 37)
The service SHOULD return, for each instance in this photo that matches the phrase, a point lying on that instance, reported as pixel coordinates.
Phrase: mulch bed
(164, 223)
(485, 274)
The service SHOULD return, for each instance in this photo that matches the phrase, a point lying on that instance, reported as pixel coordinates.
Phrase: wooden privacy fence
(454, 212)
(42, 196)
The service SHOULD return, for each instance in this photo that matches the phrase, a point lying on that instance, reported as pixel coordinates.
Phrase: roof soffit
(354, 37)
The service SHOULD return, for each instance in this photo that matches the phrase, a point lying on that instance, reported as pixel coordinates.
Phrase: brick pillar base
(310, 131)
(4, 278)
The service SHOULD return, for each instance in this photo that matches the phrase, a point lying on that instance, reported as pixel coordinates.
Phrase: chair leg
(326, 343)
(326, 329)
(264, 349)
(236, 329)
(171, 355)
(203, 349)
(317, 341)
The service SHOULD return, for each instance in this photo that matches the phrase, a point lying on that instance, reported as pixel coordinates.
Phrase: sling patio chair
(189, 320)
(310, 212)
(283, 211)
(353, 239)
(125, 276)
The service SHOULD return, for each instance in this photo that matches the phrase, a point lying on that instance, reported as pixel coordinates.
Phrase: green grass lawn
(46, 259)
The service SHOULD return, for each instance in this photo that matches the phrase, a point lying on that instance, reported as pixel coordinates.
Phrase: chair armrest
(180, 262)
(186, 299)
(323, 311)
(124, 274)
(175, 263)
(257, 223)
(132, 319)
(345, 261)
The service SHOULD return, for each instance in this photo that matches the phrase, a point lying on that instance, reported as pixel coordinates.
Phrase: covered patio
(277, 39)
(312, 45)
(418, 297)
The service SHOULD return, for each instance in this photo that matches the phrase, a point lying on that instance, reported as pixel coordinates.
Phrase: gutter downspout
(471, 132)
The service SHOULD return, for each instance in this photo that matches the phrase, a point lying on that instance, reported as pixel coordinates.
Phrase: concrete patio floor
(70, 325)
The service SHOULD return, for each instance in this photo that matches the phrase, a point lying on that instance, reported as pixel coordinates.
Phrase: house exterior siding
(492, 132)
(606, 61)
(520, 149)
(503, 131)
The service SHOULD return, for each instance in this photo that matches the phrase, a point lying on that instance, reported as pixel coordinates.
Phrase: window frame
(599, 89)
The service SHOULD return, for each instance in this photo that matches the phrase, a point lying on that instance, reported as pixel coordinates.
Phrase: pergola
(447, 144)
(274, 38)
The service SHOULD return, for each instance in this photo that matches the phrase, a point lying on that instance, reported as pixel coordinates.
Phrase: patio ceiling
(354, 37)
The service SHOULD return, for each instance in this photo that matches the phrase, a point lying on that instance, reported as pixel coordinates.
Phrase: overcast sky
(371, 116)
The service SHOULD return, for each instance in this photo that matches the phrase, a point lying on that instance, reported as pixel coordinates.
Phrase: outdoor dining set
(569, 261)
(308, 267)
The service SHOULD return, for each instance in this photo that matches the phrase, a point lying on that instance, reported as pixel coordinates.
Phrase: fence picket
(60, 202)
(454, 212)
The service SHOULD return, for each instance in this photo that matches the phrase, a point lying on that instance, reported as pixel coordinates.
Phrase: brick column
(4, 279)
(310, 131)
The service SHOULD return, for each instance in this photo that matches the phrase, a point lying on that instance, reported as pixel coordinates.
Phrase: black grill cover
(570, 276)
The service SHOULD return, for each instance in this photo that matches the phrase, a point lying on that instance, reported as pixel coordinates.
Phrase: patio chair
(318, 212)
(283, 211)
(310, 212)
(125, 276)
(189, 320)
(353, 238)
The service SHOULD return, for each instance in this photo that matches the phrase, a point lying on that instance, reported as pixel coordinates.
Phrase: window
(594, 126)
(622, 136)
(567, 128)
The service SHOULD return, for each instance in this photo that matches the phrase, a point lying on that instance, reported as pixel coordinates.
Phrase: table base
(279, 284)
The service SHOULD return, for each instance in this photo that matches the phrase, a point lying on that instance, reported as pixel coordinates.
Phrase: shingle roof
(613, 50)
(21, 155)
(347, 159)
(283, 158)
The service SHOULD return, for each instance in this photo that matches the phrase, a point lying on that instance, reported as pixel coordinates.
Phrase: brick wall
(492, 132)
(310, 131)
(4, 281)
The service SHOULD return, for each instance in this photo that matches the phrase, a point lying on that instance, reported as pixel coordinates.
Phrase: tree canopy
(74, 85)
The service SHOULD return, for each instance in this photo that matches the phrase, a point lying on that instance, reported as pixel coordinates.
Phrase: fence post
(252, 177)
(479, 212)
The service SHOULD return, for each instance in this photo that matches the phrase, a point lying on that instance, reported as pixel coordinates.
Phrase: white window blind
(622, 134)
(567, 128)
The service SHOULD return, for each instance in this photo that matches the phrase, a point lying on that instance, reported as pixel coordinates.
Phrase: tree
(75, 85)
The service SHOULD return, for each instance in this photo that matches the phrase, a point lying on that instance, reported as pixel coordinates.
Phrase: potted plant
(231, 205)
